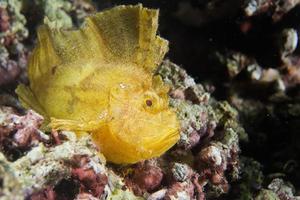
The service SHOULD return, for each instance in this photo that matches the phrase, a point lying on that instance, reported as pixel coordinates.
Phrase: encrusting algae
(100, 79)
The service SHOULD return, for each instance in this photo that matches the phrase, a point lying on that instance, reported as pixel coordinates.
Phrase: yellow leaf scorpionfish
(100, 79)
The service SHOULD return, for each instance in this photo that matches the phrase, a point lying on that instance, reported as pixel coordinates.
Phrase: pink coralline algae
(17, 131)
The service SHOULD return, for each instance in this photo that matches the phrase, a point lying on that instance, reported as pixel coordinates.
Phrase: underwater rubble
(208, 150)
(239, 124)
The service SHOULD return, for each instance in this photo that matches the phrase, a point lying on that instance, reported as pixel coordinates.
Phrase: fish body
(100, 79)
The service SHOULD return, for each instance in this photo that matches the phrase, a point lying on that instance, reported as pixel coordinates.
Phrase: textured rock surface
(245, 52)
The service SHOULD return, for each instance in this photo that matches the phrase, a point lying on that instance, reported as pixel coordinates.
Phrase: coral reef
(207, 150)
(46, 170)
(19, 133)
(205, 157)
(13, 53)
(236, 94)
(61, 13)
(276, 7)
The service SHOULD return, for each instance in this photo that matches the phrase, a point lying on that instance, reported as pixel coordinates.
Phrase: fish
(100, 79)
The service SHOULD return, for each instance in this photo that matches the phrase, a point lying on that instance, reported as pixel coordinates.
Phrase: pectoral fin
(75, 125)
(28, 100)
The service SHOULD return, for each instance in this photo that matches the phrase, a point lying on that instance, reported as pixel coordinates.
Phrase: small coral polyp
(100, 79)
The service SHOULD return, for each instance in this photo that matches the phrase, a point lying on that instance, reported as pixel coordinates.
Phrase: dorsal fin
(124, 34)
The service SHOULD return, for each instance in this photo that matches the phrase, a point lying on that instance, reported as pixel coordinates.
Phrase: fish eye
(149, 102)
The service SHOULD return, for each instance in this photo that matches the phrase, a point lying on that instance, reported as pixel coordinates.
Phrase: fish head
(142, 119)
